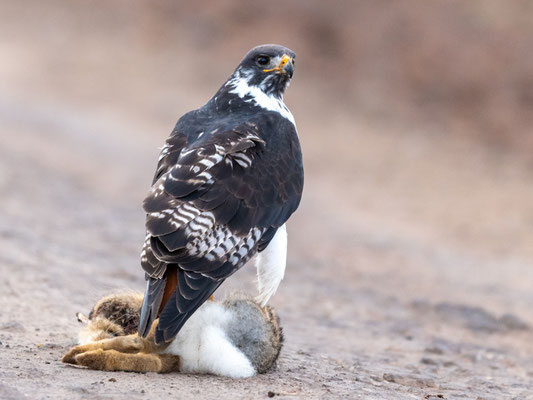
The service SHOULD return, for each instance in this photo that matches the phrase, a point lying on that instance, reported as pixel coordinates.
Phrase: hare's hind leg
(170, 363)
(112, 360)
(125, 344)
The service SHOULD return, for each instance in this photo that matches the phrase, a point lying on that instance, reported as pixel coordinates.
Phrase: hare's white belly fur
(204, 346)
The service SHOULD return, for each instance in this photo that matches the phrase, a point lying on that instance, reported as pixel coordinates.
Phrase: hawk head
(269, 67)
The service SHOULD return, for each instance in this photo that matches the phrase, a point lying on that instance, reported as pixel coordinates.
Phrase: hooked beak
(285, 66)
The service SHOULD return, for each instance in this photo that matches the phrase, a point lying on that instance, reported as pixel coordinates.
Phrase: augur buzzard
(227, 180)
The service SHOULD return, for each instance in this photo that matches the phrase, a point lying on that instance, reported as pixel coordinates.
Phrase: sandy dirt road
(372, 308)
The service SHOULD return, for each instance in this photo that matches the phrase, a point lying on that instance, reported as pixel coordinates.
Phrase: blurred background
(415, 119)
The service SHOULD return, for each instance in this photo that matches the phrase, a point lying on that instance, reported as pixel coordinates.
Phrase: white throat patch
(242, 89)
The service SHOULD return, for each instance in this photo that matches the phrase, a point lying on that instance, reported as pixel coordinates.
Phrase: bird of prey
(228, 178)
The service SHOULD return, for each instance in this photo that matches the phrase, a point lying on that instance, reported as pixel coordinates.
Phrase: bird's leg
(270, 264)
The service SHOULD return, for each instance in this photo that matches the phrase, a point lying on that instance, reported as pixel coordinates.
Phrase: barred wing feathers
(213, 204)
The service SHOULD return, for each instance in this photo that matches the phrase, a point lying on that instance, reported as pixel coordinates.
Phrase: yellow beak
(285, 66)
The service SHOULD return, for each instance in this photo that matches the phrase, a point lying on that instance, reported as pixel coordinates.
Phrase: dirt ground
(410, 259)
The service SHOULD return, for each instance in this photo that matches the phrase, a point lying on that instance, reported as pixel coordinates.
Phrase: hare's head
(121, 309)
(98, 329)
(113, 315)
(255, 330)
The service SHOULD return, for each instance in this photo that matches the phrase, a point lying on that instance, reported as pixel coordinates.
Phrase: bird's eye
(262, 60)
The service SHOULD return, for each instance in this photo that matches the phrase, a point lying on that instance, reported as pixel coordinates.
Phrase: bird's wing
(208, 214)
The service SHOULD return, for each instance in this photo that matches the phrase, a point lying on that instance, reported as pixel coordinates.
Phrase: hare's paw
(95, 359)
(70, 357)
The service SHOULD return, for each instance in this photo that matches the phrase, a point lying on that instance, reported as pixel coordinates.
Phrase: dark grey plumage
(229, 175)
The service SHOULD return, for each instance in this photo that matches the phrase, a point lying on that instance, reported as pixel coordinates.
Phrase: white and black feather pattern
(151, 265)
(229, 175)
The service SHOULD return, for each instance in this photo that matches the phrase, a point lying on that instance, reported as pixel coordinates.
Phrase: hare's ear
(82, 318)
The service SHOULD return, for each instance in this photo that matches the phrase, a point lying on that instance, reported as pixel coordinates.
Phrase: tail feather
(153, 296)
(182, 304)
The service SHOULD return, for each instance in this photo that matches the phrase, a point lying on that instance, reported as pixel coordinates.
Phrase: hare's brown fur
(109, 340)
